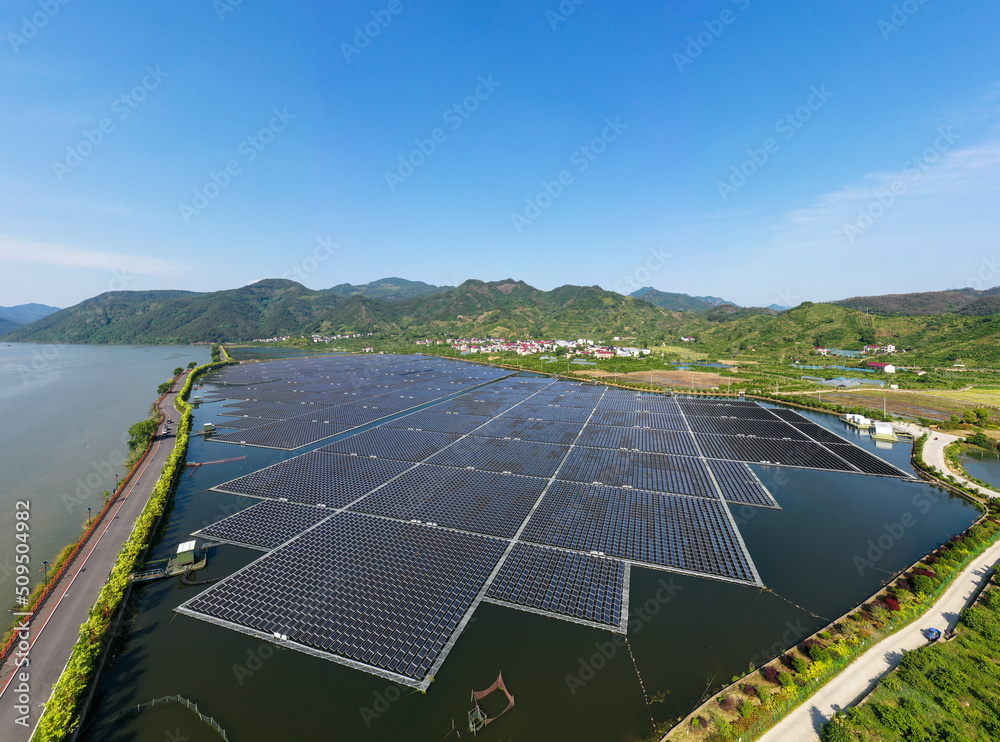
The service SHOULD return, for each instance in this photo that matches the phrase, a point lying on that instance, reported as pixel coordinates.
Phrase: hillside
(278, 307)
(678, 302)
(967, 301)
(22, 314)
(7, 325)
(390, 289)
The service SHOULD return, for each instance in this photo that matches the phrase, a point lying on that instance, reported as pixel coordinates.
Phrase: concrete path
(55, 628)
(859, 678)
(934, 453)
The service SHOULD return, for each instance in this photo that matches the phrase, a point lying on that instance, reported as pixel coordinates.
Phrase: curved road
(55, 627)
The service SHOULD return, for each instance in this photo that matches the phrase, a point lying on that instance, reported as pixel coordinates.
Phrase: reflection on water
(836, 540)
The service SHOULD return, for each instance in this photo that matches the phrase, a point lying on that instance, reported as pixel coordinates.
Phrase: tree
(164, 387)
(178, 371)
(192, 364)
(141, 433)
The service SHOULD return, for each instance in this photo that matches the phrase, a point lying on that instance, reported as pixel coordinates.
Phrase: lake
(65, 412)
(571, 682)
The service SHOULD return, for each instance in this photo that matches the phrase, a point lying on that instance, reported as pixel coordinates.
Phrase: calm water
(570, 682)
(64, 413)
(983, 465)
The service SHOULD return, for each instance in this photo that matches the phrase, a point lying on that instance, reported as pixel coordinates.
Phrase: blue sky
(762, 152)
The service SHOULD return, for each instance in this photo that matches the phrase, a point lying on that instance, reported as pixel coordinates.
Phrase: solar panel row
(563, 582)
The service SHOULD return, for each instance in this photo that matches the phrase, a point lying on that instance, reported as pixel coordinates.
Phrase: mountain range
(22, 314)
(513, 309)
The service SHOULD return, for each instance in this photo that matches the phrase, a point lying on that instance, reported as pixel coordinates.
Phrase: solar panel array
(291, 403)
(527, 492)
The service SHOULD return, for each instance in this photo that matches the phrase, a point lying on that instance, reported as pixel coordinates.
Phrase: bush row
(62, 712)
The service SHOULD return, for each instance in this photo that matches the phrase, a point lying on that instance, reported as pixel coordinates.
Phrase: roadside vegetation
(754, 703)
(945, 691)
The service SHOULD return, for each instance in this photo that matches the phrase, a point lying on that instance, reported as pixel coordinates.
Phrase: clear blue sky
(874, 126)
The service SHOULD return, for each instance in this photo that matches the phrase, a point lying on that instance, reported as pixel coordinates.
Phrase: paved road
(859, 678)
(54, 629)
(934, 453)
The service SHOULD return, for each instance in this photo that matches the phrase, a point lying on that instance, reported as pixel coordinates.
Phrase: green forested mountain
(390, 289)
(966, 301)
(22, 314)
(677, 302)
(513, 309)
(7, 325)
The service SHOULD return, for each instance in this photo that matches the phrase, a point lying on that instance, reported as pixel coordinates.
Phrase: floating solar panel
(690, 534)
(631, 419)
(438, 421)
(315, 478)
(549, 412)
(739, 484)
(867, 462)
(468, 405)
(240, 423)
(265, 525)
(625, 402)
(284, 434)
(744, 426)
(496, 454)
(788, 415)
(684, 475)
(720, 408)
(804, 454)
(546, 431)
(481, 501)
(565, 584)
(564, 400)
(393, 443)
(818, 433)
(376, 594)
(638, 439)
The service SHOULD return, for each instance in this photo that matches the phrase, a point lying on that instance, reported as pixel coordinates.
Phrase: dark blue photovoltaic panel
(393, 443)
(739, 484)
(626, 402)
(688, 533)
(530, 430)
(496, 454)
(766, 450)
(380, 592)
(480, 501)
(639, 439)
(683, 475)
(620, 418)
(865, 461)
(727, 408)
(240, 423)
(564, 582)
(549, 412)
(438, 422)
(315, 477)
(266, 525)
(818, 433)
(743, 426)
(283, 434)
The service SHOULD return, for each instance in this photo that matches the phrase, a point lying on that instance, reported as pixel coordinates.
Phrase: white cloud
(65, 256)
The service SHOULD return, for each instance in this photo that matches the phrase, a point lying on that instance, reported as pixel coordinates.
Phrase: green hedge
(62, 712)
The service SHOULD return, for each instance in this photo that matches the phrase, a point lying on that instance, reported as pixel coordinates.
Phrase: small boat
(181, 562)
